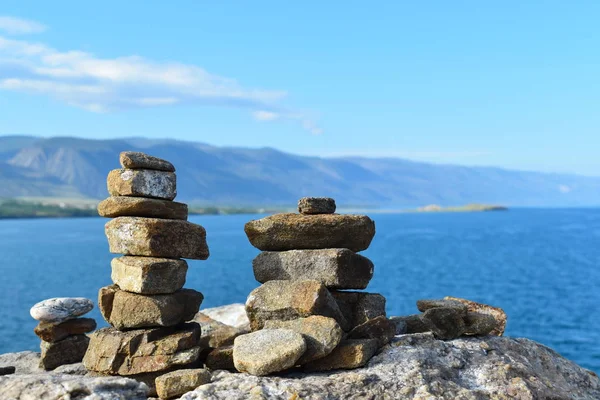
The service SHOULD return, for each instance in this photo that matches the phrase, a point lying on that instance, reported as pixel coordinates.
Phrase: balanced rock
(123, 206)
(321, 335)
(379, 328)
(137, 160)
(148, 275)
(445, 323)
(67, 351)
(286, 300)
(409, 324)
(336, 268)
(267, 351)
(61, 309)
(142, 183)
(220, 358)
(350, 354)
(424, 305)
(53, 332)
(282, 232)
(125, 310)
(216, 334)
(359, 307)
(496, 312)
(479, 324)
(316, 205)
(155, 237)
(176, 383)
(143, 350)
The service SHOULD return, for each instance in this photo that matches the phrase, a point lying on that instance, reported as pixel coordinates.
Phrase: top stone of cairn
(137, 160)
(316, 205)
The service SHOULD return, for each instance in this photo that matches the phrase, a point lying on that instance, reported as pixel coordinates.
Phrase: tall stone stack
(308, 310)
(147, 306)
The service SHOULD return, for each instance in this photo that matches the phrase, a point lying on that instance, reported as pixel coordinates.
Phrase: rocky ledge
(415, 366)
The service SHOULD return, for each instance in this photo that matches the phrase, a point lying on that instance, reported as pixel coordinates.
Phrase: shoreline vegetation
(71, 208)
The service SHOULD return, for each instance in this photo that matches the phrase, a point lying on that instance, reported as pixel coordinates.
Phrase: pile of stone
(63, 333)
(302, 314)
(452, 317)
(147, 306)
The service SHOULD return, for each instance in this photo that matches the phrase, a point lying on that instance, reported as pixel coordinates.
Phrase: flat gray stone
(321, 335)
(316, 205)
(281, 232)
(123, 206)
(137, 160)
(266, 351)
(142, 183)
(336, 268)
(286, 300)
(153, 237)
(148, 275)
(61, 309)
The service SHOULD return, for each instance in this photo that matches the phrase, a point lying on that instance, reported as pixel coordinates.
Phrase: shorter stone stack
(62, 331)
(302, 313)
(147, 305)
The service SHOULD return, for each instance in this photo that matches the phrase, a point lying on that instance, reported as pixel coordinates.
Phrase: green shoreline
(58, 208)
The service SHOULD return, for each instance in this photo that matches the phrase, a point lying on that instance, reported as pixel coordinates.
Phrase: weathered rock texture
(125, 310)
(142, 183)
(359, 307)
(61, 309)
(421, 367)
(123, 206)
(155, 237)
(176, 383)
(286, 300)
(142, 351)
(267, 351)
(50, 332)
(335, 268)
(221, 358)
(282, 232)
(321, 335)
(498, 313)
(216, 334)
(316, 205)
(148, 275)
(67, 351)
(137, 160)
(379, 328)
(350, 354)
(63, 387)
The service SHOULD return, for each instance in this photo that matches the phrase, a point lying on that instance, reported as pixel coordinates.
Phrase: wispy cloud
(18, 26)
(115, 84)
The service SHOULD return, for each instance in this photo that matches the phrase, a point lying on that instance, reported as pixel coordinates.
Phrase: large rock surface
(422, 367)
(64, 387)
(153, 237)
(282, 232)
(336, 268)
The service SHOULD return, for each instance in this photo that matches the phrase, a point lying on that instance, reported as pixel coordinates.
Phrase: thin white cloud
(115, 84)
(19, 26)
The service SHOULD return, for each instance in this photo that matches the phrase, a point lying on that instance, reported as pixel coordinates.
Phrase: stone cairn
(302, 314)
(147, 306)
(62, 331)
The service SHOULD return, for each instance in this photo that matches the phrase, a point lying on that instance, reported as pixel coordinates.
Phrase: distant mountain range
(74, 168)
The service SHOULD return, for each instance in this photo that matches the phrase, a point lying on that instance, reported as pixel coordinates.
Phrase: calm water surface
(541, 266)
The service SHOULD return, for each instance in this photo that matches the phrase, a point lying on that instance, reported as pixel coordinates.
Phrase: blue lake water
(541, 266)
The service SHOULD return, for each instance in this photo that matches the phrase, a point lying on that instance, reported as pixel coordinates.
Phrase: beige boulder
(123, 206)
(148, 275)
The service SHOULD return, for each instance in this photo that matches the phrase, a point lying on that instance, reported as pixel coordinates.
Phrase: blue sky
(513, 84)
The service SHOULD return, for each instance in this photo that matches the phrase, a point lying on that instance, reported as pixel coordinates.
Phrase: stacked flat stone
(63, 333)
(147, 306)
(308, 312)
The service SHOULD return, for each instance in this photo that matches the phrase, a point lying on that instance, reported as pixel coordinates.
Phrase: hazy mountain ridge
(68, 167)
